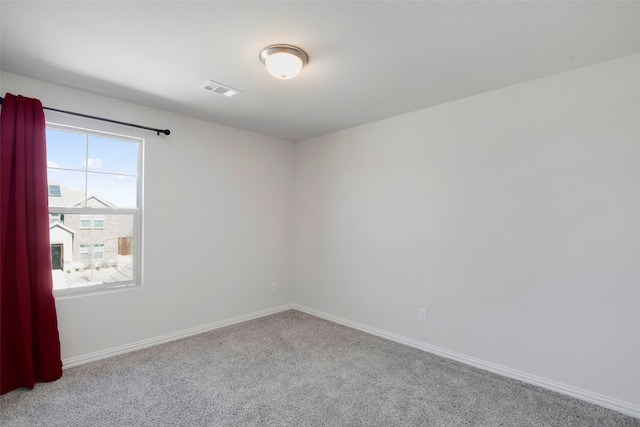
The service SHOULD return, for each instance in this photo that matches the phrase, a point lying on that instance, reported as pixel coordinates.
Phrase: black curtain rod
(158, 131)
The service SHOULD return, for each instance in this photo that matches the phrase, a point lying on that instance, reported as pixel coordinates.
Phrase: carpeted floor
(291, 369)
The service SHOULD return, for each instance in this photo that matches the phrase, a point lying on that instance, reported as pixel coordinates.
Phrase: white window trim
(137, 213)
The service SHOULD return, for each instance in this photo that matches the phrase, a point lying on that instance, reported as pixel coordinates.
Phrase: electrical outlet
(422, 314)
(273, 288)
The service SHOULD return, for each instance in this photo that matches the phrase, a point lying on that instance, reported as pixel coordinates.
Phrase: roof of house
(67, 197)
(62, 226)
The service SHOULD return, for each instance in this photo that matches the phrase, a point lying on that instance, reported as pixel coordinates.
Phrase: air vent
(220, 89)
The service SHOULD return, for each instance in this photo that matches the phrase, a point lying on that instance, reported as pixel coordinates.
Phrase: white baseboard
(591, 397)
(103, 354)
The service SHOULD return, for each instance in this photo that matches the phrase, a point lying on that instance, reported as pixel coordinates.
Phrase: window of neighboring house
(54, 191)
(96, 179)
(98, 251)
(84, 253)
(98, 222)
(85, 222)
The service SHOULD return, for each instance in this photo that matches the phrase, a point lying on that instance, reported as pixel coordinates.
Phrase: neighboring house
(82, 241)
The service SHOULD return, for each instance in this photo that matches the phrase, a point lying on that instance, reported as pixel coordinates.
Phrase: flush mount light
(283, 61)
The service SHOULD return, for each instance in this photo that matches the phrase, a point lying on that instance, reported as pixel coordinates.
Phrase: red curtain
(29, 342)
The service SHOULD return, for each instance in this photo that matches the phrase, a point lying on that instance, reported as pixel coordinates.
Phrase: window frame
(102, 213)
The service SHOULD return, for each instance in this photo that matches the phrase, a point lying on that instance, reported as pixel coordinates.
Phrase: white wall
(217, 233)
(512, 216)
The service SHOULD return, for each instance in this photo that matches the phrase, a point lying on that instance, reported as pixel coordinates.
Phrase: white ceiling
(368, 60)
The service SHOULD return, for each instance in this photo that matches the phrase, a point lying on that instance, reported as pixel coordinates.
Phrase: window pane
(113, 156)
(93, 256)
(112, 191)
(66, 150)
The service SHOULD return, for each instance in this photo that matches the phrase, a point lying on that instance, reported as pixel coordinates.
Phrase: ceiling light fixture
(283, 61)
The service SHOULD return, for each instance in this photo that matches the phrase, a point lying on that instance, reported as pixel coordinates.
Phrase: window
(84, 253)
(86, 221)
(98, 251)
(98, 222)
(94, 190)
(54, 191)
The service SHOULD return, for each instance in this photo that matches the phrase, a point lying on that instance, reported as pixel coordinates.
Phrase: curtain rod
(158, 131)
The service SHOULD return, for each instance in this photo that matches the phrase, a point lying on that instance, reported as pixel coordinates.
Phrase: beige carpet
(291, 369)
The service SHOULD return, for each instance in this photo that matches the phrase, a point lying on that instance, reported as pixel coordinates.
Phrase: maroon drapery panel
(29, 341)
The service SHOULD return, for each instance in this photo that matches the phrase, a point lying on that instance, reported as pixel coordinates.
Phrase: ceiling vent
(220, 89)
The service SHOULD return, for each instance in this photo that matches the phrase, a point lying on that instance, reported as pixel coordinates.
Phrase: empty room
(338, 213)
